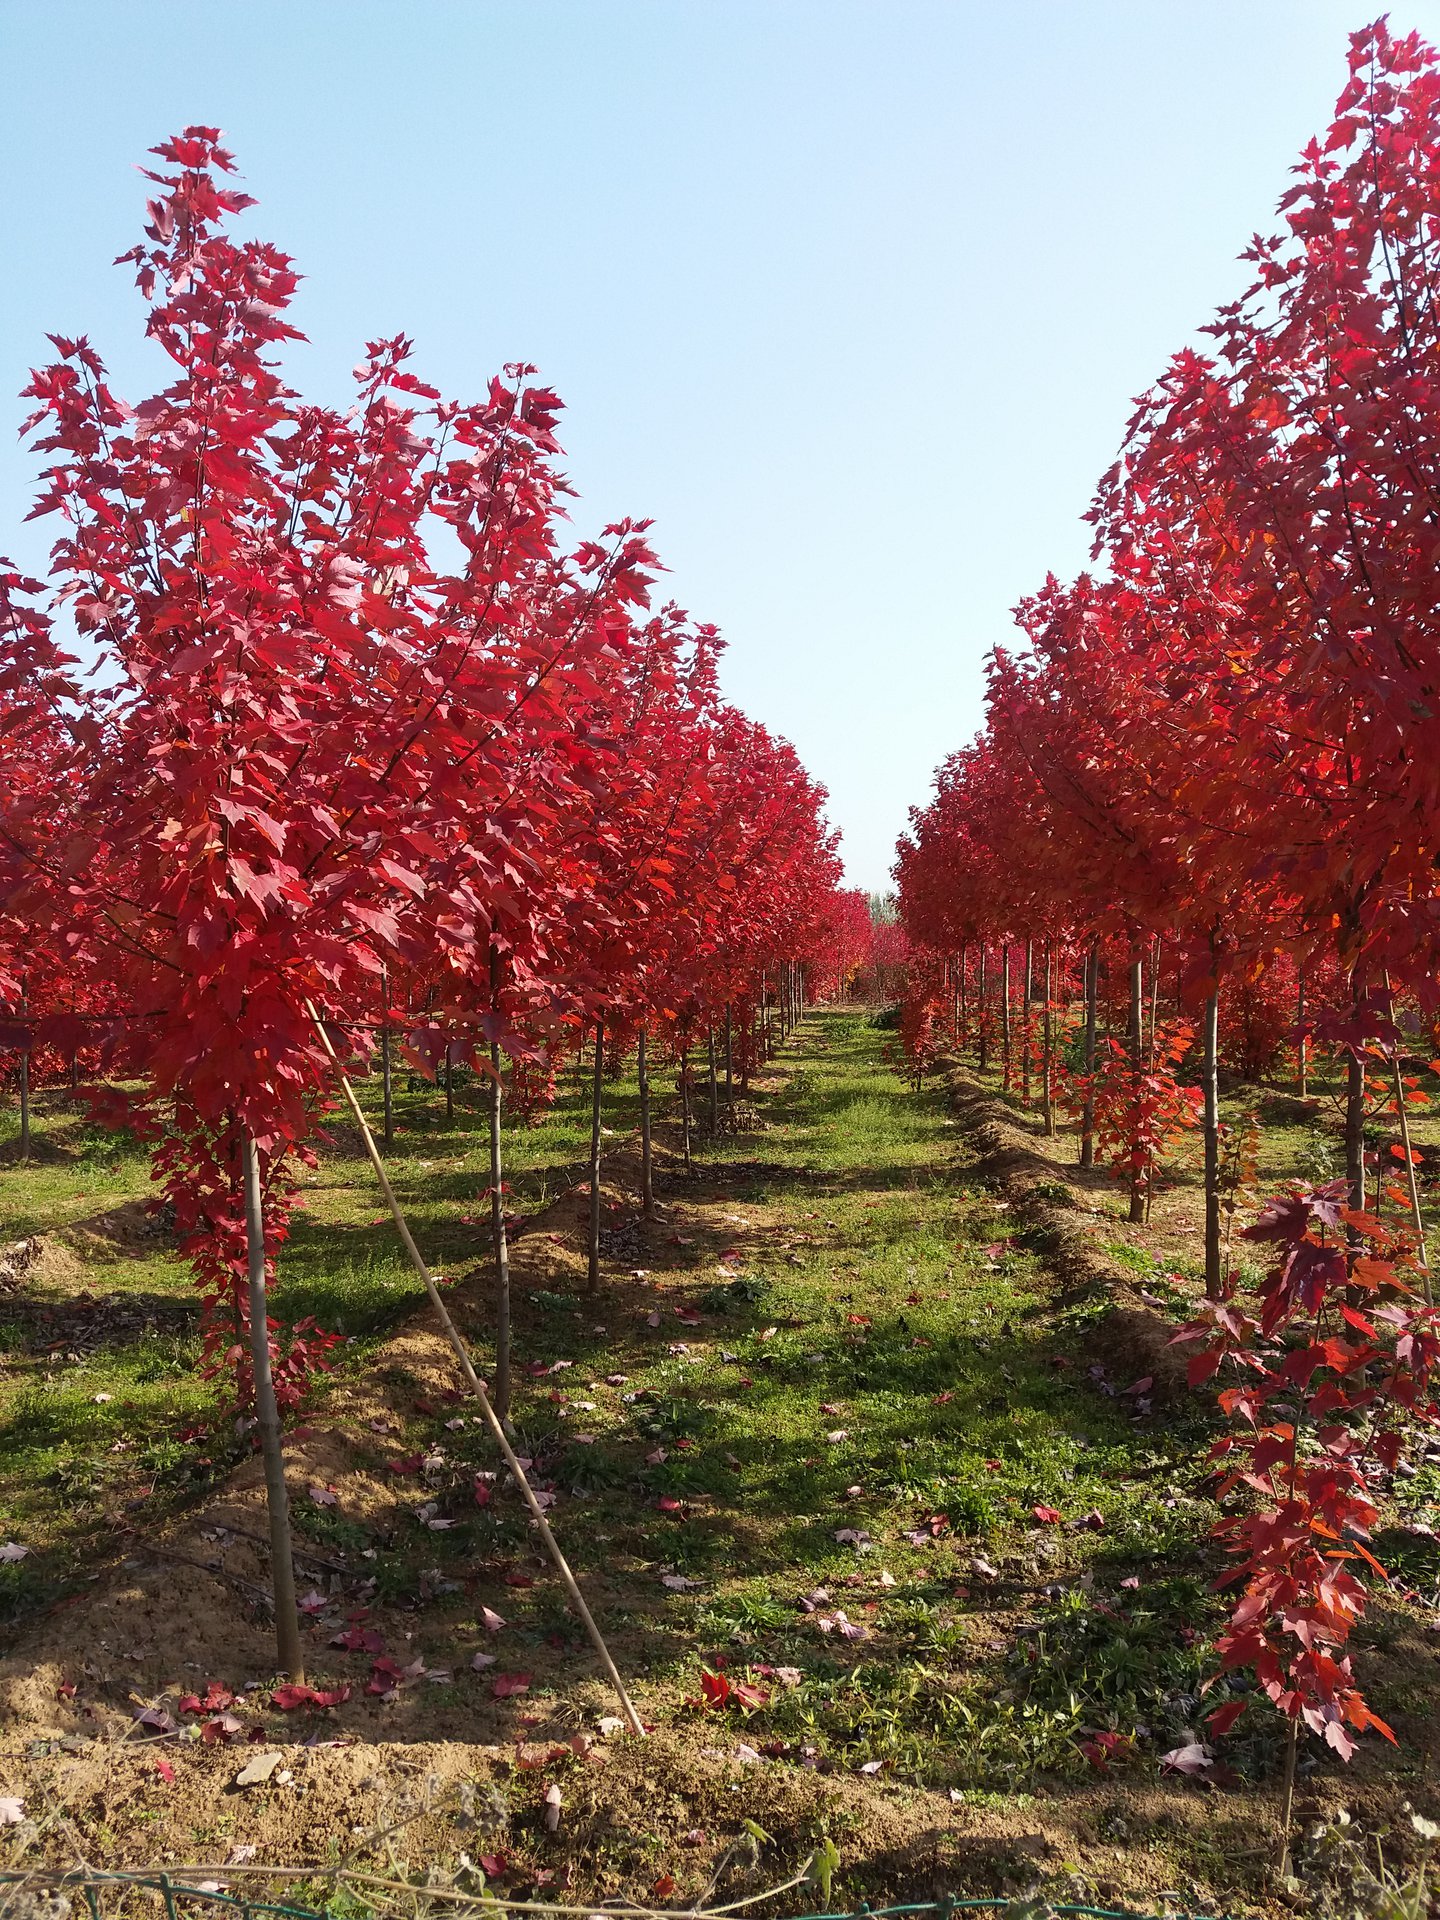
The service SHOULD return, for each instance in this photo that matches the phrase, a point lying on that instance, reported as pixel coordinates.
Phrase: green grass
(962, 1400)
(72, 1464)
(885, 1357)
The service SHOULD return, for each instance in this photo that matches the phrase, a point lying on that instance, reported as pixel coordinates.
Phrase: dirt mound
(630, 1814)
(131, 1228)
(1131, 1339)
(58, 1268)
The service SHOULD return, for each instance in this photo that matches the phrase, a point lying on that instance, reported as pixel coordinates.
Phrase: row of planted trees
(1203, 818)
(368, 751)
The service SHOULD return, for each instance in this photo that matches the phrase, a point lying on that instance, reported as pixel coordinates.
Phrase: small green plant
(1055, 1191)
(1346, 1873)
(750, 1290)
(1317, 1159)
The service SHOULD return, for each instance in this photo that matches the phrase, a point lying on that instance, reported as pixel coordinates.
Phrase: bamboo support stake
(1410, 1168)
(1410, 1172)
(473, 1381)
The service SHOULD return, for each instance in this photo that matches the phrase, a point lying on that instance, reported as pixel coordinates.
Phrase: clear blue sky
(851, 298)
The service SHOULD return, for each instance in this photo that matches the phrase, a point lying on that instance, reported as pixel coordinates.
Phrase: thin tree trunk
(647, 1170)
(1137, 1050)
(714, 1085)
(1355, 1113)
(685, 1104)
(1287, 1811)
(497, 1213)
(1005, 1012)
(1025, 1026)
(25, 1105)
(1092, 1009)
(1214, 1274)
(1302, 1049)
(449, 1087)
(267, 1414)
(75, 1072)
(729, 1056)
(1048, 1107)
(592, 1279)
(385, 1055)
(983, 1061)
(1154, 1000)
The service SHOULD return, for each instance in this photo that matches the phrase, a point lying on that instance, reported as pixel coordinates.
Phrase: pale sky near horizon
(850, 295)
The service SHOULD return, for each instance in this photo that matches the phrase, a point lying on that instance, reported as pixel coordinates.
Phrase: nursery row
(1201, 825)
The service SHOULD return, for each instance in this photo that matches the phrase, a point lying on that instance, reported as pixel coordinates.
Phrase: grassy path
(906, 1375)
(827, 1432)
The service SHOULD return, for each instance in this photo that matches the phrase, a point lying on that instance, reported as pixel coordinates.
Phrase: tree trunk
(685, 1104)
(729, 1057)
(1005, 1012)
(385, 1056)
(1137, 1053)
(267, 1414)
(1302, 1049)
(1214, 1274)
(647, 1172)
(1355, 1112)
(1092, 1008)
(1025, 1024)
(714, 1084)
(25, 1105)
(983, 1050)
(449, 1087)
(1048, 1092)
(592, 1279)
(497, 1214)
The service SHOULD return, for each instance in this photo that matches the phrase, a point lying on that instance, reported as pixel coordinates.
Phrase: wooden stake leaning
(473, 1381)
(1415, 1213)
